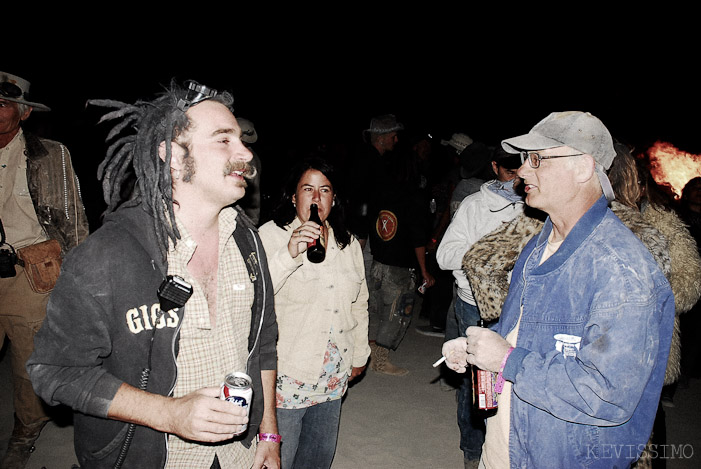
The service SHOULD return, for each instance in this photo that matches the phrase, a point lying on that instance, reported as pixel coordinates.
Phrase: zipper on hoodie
(262, 310)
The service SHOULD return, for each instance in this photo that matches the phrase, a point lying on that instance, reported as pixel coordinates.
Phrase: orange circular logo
(386, 225)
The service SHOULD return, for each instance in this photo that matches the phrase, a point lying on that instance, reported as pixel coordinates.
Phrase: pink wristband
(499, 386)
(274, 437)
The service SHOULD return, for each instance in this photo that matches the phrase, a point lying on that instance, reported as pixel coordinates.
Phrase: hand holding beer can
(237, 389)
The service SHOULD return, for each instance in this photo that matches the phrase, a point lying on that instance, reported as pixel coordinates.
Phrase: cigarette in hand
(439, 361)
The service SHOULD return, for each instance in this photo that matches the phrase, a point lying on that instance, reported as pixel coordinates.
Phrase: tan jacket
(313, 299)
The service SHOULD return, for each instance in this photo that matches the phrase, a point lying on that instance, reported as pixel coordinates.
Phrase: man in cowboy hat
(379, 142)
(39, 201)
(389, 210)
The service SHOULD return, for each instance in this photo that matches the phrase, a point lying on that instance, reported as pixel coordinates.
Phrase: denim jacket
(592, 346)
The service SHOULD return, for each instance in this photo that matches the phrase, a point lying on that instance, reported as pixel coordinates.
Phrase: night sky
(300, 95)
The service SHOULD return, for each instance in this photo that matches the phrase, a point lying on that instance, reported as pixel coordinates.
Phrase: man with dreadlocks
(144, 383)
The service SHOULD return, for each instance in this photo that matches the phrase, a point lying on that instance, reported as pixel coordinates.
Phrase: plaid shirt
(208, 354)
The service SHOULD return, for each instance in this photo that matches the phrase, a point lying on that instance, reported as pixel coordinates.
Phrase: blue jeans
(470, 422)
(309, 435)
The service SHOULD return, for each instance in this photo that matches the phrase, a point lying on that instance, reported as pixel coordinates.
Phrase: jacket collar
(34, 148)
(581, 230)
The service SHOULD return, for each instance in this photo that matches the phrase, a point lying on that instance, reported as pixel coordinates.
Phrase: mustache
(247, 170)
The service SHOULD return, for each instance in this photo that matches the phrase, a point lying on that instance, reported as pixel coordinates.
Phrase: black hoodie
(98, 329)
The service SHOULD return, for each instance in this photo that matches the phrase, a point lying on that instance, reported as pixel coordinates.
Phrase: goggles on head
(196, 93)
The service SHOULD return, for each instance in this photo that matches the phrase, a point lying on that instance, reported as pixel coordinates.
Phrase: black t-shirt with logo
(398, 213)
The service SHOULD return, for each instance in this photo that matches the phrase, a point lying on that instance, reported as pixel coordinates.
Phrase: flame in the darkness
(672, 167)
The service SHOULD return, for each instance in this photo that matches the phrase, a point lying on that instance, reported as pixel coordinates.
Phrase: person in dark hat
(475, 169)
(391, 210)
(40, 206)
(379, 142)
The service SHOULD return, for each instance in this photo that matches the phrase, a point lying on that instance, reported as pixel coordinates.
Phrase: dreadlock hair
(284, 213)
(134, 143)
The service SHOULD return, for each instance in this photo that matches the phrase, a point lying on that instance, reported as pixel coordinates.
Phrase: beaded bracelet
(274, 437)
(499, 386)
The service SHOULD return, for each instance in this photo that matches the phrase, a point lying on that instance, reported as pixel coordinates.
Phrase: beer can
(237, 389)
(422, 287)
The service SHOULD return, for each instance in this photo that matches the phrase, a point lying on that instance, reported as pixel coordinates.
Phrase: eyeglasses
(535, 157)
(10, 90)
(196, 93)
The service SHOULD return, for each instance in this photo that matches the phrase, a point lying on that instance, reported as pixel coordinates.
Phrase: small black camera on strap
(8, 257)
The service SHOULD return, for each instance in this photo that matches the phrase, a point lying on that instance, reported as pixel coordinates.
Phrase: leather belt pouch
(42, 264)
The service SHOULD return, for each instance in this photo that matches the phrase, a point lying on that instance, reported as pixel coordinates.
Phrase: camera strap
(17, 260)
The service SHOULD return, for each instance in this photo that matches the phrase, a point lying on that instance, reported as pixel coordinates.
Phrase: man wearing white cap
(40, 207)
(580, 349)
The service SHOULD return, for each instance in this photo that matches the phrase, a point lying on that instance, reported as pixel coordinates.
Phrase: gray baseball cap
(575, 129)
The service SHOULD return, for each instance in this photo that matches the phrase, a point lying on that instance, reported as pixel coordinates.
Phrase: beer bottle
(483, 394)
(316, 250)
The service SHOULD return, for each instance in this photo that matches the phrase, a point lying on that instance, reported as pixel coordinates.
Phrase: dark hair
(147, 124)
(284, 213)
(692, 185)
(652, 191)
(624, 177)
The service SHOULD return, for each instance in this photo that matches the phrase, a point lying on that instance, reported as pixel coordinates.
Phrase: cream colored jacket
(313, 299)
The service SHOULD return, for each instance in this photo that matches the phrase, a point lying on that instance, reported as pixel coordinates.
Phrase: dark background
(301, 93)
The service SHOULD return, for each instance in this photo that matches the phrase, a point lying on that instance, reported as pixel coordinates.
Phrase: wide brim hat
(474, 159)
(22, 97)
(458, 141)
(575, 129)
(383, 125)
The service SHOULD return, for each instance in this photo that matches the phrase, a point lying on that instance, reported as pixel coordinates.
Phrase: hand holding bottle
(301, 236)
(485, 348)
(316, 249)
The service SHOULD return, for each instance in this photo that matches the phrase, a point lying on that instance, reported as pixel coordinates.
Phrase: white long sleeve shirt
(478, 215)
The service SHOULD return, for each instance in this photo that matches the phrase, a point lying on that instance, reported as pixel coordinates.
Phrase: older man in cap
(40, 207)
(580, 349)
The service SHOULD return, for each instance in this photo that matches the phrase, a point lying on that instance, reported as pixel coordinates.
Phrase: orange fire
(672, 167)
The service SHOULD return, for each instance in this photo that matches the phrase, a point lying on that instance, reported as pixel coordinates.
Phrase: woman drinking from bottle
(322, 314)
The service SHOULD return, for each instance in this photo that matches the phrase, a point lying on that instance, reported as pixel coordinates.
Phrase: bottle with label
(316, 250)
(484, 395)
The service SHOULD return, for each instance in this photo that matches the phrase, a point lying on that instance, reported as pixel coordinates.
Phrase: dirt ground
(387, 422)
